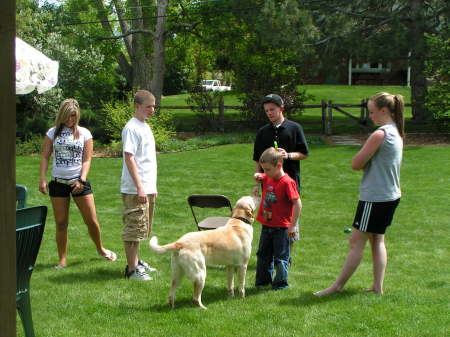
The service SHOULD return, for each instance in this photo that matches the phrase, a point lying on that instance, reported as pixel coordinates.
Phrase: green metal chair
(21, 196)
(30, 223)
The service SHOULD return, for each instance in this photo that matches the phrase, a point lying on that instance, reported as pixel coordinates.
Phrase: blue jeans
(273, 254)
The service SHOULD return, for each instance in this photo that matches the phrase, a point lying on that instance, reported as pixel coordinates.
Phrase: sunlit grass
(91, 297)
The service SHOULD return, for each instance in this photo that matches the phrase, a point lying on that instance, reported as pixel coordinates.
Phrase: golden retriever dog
(229, 245)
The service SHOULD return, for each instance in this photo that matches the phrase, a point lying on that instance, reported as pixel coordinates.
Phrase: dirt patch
(427, 139)
(185, 135)
(105, 154)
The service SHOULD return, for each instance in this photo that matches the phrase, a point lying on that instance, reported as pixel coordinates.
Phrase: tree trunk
(140, 47)
(124, 65)
(141, 63)
(417, 61)
(158, 60)
(146, 48)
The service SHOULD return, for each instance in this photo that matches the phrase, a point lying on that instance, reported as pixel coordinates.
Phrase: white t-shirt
(68, 152)
(137, 139)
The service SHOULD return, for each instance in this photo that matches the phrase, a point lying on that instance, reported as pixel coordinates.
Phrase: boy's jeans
(273, 251)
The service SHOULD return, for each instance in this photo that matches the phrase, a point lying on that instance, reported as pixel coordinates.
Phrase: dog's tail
(170, 247)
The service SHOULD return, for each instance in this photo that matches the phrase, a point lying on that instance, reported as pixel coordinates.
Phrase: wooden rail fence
(327, 108)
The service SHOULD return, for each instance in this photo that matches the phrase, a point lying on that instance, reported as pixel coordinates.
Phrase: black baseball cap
(273, 98)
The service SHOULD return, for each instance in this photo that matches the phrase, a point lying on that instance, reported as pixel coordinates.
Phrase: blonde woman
(379, 194)
(72, 147)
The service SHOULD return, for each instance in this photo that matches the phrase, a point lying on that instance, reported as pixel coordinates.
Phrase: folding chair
(21, 196)
(209, 201)
(30, 223)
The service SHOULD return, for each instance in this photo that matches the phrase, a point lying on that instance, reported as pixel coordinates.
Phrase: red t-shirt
(276, 202)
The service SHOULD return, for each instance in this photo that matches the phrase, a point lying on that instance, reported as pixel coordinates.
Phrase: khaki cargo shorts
(137, 217)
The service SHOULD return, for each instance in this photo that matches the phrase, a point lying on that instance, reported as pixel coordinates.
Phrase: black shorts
(374, 217)
(61, 190)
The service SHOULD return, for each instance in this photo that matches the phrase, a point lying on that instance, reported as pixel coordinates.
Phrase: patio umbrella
(34, 70)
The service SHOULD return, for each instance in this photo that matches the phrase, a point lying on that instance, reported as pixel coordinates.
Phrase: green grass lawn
(351, 94)
(337, 93)
(91, 298)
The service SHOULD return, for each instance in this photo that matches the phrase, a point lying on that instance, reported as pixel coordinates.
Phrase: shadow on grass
(42, 267)
(306, 299)
(96, 275)
(217, 294)
(210, 295)
(162, 307)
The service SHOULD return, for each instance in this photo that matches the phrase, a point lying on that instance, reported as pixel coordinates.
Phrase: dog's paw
(171, 302)
(199, 304)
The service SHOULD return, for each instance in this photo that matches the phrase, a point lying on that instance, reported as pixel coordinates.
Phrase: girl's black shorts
(374, 217)
(61, 190)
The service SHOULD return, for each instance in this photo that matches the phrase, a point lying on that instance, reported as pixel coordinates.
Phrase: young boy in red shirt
(279, 210)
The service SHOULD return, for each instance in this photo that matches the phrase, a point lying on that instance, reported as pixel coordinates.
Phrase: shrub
(292, 97)
(113, 149)
(31, 146)
(118, 113)
(205, 105)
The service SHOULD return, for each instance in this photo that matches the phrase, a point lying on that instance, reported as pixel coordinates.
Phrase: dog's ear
(249, 214)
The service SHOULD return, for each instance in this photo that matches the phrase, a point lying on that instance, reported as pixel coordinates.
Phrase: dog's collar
(242, 219)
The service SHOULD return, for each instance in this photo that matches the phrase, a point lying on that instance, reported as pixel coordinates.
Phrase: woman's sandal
(110, 255)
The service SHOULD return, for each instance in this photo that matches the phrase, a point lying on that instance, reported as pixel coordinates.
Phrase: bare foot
(328, 291)
(62, 264)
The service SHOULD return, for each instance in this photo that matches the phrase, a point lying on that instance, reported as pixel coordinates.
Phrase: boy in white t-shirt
(138, 183)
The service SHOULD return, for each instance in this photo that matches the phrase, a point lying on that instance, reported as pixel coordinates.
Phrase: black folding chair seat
(210, 201)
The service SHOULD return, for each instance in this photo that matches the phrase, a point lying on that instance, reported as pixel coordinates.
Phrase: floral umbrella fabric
(34, 70)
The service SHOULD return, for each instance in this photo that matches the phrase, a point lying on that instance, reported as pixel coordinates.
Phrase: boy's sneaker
(146, 266)
(138, 274)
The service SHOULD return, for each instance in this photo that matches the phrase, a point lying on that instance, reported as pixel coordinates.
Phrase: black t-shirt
(289, 136)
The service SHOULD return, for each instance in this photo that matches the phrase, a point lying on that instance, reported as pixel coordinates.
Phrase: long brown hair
(67, 107)
(396, 106)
